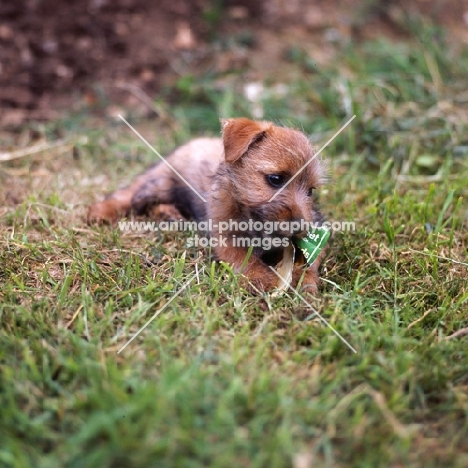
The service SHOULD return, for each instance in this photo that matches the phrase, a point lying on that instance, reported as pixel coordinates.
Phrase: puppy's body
(162, 192)
(237, 176)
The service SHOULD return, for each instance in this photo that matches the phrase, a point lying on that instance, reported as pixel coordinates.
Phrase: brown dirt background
(57, 55)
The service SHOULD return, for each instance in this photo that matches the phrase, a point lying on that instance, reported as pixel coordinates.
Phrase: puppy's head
(273, 172)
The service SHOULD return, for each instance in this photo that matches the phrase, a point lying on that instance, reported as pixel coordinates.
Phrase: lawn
(222, 378)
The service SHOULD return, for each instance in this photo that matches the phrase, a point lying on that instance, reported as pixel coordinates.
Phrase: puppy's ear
(239, 135)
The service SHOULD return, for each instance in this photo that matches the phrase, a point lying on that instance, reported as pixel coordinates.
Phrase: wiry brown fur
(234, 184)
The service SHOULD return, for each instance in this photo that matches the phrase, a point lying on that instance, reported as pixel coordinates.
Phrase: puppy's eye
(310, 192)
(276, 180)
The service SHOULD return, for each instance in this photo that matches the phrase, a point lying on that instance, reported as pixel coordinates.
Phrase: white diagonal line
(162, 159)
(315, 155)
(157, 313)
(315, 312)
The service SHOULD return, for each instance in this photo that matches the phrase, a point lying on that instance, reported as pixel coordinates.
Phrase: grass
(222, 378)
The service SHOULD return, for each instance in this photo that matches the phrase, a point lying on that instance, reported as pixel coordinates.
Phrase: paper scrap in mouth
(312, 244)
(285, 268)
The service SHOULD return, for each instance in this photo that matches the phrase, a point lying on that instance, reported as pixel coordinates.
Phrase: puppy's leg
(260, 275)
(148, 189)
(166, 212)
(257, 272)
(311, 280)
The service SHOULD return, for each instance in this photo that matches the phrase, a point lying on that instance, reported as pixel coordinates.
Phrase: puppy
(230, 180)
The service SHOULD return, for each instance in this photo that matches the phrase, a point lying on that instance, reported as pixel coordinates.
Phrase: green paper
(313, 243)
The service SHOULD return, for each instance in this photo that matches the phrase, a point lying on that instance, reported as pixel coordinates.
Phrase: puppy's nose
(298, 227)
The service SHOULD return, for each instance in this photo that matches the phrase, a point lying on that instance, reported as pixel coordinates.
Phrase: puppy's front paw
(264, 281)
(259, 278)
(311, 282)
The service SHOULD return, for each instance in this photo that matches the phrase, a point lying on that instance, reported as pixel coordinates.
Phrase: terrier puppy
(237, 175)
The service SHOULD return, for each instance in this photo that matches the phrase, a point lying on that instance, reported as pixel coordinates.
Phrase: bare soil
(55, 55)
